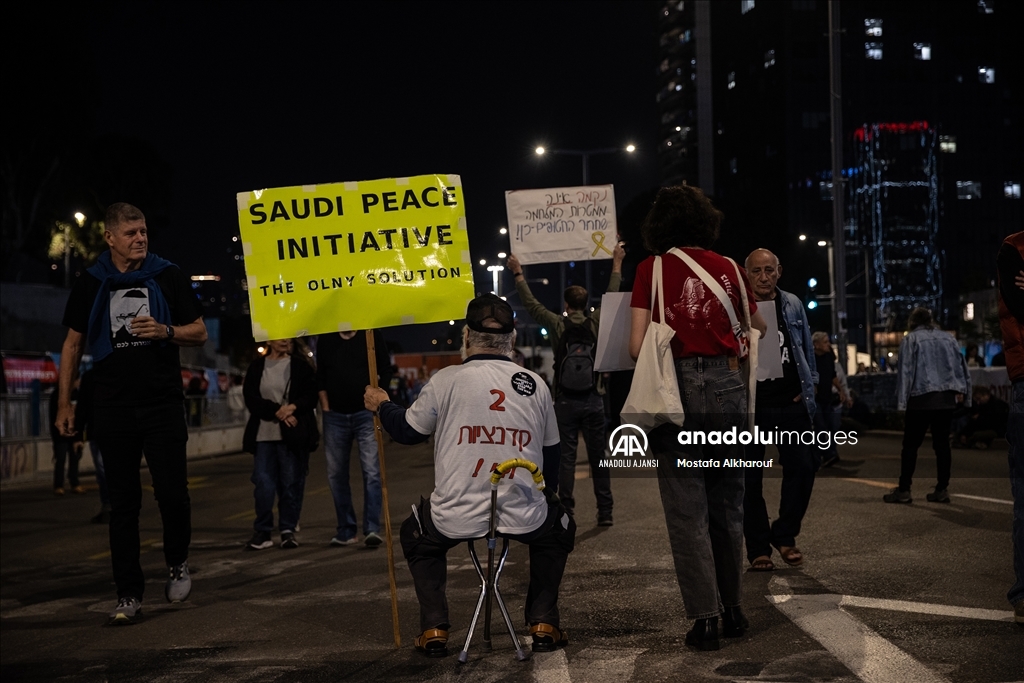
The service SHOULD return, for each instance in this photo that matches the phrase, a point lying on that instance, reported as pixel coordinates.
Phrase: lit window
(746, 6)
(873, 50)
(947, 143)
(769, 58)
(873, 27)
(732, 80)
(1011, 190)
(825, 190)
(968, 189)
(969, 312)
(985, 7)
(986, 74)
(923, 51)
(679, 87)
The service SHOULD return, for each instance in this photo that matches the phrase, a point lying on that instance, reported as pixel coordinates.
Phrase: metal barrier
(17, 419)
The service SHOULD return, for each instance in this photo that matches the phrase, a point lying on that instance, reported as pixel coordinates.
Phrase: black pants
(916, 424)
(64, 450)
(124, 434)
(575, 415)
(426, 550)
(799, 463)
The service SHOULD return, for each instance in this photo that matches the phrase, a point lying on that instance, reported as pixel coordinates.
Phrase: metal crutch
(489, 582)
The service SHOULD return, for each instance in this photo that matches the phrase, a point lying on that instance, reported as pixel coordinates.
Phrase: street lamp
(494, 270)
(80, 219)
(585, 155)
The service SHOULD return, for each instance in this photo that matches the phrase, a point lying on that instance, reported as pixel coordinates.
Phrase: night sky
(227, 97)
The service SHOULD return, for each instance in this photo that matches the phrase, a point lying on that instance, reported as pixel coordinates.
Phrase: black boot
(704, 634)
(734, 622)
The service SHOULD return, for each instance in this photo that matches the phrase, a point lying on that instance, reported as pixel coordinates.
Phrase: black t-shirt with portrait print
(785, 388)
(137, 371)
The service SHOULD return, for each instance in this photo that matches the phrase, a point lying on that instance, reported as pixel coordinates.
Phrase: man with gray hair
(482, 413)
(135, 309)
(786, 378)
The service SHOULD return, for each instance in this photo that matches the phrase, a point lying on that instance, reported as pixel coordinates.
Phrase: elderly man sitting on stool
(483, 412)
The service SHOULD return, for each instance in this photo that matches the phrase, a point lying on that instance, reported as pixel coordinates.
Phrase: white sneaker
(128, 611)
(179, 584)
(373, 540)
(348, 541)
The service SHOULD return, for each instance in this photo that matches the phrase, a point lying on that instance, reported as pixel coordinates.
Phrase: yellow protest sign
(354, 256)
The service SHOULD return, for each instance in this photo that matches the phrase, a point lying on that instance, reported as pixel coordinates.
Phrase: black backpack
(575, 358)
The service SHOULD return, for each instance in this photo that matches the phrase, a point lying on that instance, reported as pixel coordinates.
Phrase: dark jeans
(704, 508)
(1015, 435)
(917, 422)
(426, 551)
(799, 463)
(587, 415)
(276, 471)
(124, 433)
(64, 449)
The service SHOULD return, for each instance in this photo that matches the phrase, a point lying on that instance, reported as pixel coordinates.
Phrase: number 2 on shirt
(498, 401)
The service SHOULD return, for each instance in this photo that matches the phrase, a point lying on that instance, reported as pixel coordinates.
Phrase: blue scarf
(110, 277)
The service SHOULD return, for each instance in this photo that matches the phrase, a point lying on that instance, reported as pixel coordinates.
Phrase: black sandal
(548, 638)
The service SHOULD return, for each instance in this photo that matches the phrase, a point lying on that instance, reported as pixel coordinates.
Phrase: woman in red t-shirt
(703, 505)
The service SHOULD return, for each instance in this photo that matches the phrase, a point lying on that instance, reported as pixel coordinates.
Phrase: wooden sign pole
(371, 355)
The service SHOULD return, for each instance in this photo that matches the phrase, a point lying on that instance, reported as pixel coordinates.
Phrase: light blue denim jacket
(930, 360)
(803, 348)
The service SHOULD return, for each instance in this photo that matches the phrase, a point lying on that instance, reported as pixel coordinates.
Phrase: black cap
(490, 309)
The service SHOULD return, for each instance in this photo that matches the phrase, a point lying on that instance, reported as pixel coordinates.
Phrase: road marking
(982, 498)
(551, 667)
(866, 654)
(317, 492)
(598, 664)
(926, 608)
(869, 482)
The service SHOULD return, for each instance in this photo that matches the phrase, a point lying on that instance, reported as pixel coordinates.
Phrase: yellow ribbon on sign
(598, 239)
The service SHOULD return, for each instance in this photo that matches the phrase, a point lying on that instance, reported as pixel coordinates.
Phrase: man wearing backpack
(579, 406)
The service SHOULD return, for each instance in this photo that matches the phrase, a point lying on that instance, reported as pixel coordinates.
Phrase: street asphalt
(887, 593)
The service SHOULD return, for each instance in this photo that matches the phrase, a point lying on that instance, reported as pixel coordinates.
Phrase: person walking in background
(343, 372)
(1010, 265)
(236, 399)
(703, 508)
(933, 378)
(65, 449)
(579, 404)
(786, 379)
(973, 358)
(135, 309)
(830, 394)
(83, 425)
(280, 393)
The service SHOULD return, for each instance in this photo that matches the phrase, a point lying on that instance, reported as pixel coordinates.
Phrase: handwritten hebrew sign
(562, 223)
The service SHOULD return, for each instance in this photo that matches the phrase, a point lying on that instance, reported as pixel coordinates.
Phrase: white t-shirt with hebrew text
(484, 412)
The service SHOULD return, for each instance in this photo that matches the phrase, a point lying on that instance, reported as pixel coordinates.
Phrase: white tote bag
(654, 395)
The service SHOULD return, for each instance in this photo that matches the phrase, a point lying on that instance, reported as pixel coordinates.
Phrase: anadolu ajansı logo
(628, 448)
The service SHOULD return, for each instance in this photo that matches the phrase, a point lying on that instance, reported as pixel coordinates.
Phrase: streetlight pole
(838, 246)
(585, 155)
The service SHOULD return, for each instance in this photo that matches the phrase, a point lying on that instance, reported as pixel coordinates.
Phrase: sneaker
(338, 541)
(372, 540)
(128, 611)
(78, 489)
(179, 583)
(260, 540)
(58, 491)
(605, 519)
(938, 496)
(897, 496)
(288, 540)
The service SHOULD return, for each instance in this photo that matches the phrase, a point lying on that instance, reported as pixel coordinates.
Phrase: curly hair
(682, 216)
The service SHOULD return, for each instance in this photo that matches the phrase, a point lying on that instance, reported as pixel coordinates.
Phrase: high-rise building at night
(932, 146)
